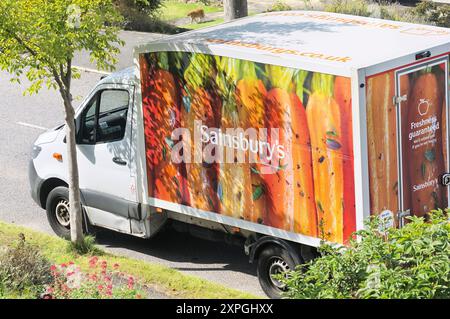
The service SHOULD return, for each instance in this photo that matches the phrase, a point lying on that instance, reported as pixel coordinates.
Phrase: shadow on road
(182, 248)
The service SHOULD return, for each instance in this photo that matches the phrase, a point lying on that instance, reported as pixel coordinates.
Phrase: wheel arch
(293, 249)
(47, 186)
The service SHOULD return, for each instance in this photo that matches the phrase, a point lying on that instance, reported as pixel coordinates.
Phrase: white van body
(113, 174)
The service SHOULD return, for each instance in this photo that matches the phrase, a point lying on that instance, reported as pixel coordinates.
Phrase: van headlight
(35, 151)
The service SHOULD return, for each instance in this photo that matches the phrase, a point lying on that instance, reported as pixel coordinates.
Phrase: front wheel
(274, 261)
(58, 213)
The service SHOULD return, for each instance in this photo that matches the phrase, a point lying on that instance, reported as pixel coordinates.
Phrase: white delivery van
(278, 131)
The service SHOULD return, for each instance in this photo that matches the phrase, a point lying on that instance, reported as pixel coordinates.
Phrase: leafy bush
(279, 6)
(145, 6)
(355, 7)
(141, 15)
(23, 270)
(411, 262)
(434, 13)
(425, 12)
(101, 282)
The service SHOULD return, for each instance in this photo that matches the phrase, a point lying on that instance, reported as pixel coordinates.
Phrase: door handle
(119, 161)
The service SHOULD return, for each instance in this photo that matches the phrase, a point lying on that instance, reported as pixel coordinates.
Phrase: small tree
(38, 39)
(234, 9)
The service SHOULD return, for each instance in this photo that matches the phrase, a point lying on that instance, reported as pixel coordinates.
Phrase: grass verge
(173, 9)
(166, 280)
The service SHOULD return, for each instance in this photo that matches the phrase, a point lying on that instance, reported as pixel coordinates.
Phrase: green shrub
(141, 15)
(411, 262)
(145, 6)
(23, 270)
(434, 13)
(279, 6)
(355, 7)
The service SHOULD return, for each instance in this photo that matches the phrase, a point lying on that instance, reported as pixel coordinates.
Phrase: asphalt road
(23, 118)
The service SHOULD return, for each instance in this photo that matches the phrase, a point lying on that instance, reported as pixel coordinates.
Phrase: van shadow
(182, 248)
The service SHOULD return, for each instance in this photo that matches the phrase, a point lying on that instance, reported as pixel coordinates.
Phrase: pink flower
(52, 267)
(71, 263)
(71, 273)
(130, 282)
(116, 266)
(63, 265)
(100, 287)
(93, 261)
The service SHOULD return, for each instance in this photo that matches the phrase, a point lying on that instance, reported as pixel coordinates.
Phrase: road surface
(23, 118)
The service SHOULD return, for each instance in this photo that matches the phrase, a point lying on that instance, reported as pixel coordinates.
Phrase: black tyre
(57, 208)
(274, 260)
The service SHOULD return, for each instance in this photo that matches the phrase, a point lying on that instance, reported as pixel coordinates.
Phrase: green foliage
(146, 6)
(40, 37)
(279, 6)
(23, 270)
(355, 7)
(84, 247)
(434, 13)
(411, 262)
(425, 12)
(138, 15)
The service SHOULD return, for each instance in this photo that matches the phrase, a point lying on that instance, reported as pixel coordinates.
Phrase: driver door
(103, 150)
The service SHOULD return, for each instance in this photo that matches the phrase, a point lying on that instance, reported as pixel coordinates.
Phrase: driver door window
(104, 119)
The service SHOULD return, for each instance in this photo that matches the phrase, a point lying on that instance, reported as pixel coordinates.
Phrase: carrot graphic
(382, 143)
(343, 97)
(161, 116)
(202, 177)
(425, 160)
(324, 122)
(235, 185)
(250, 94)
(289, 187)
(204, 106)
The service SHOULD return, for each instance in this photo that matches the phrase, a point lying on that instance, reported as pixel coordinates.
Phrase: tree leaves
(37, 40)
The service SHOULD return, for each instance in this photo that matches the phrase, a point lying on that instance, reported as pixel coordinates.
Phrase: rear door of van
(422, 117)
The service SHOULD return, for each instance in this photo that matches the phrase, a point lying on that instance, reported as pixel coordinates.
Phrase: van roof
(313, 37)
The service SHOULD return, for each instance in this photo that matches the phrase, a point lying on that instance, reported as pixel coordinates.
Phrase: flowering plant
(100, 282)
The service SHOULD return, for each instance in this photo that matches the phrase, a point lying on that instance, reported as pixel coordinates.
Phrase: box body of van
(282, 129)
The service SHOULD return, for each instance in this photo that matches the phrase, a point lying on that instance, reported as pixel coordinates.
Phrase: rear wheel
(272, 262)
(58, 214)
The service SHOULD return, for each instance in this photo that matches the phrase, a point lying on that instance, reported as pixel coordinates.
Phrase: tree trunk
(234, 9)
(76, 216)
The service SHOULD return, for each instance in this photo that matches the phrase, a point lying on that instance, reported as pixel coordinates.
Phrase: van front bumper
(35, 182)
